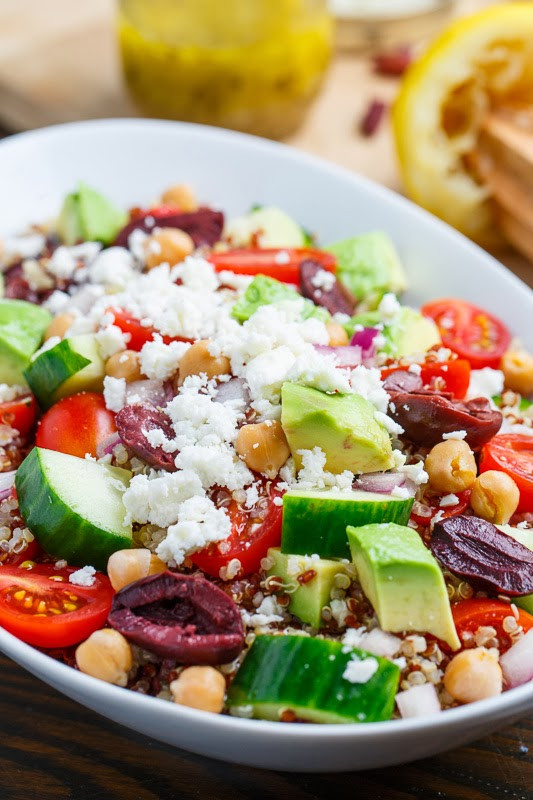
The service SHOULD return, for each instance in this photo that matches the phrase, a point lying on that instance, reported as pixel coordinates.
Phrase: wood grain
(53, 749)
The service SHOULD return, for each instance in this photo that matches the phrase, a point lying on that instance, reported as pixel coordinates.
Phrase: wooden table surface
(50, 747)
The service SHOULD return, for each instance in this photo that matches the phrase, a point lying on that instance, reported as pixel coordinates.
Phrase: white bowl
(132, 161)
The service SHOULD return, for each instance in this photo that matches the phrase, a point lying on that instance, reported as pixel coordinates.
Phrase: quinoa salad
(239, 474)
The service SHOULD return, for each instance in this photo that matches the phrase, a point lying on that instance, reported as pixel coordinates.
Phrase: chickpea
(106, 655)
(59, 326)
(263, 447)
(126, 566)
(200, 687)
(125, 364)
(167, 246)
(180, 195)
(337, 335)
(495, 496)
(517, 368)
(451, 466)
(198, 359)
(473, 675)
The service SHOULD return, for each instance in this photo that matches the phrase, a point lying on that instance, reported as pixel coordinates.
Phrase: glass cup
(252, 65)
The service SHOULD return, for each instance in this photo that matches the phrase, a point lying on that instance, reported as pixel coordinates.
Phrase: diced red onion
(107, 445)
(347, 356)
(517, 662)
(148, 391)
(381, 643)
(380, 482)
(365, 339)
(7, 480)
(419, 701)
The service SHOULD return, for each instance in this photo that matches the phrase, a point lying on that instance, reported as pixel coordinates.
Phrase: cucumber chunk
(315, 522)
(74, 506)
(306, 675)
(73, 365)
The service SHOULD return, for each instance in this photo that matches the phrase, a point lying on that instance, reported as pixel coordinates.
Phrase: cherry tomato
(157, 212)
(470, 331)
(469, 615)
(30, 553)
(454, 376)
(423, 513)
(19, 413)
(252, 533)
(512, 453)
(76, 425)
(42, 608)
(139, 334)
(280, 263)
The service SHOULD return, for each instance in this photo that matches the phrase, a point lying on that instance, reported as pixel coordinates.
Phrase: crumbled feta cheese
(113, 267)
(416, 369)
(449, 500)
(282, 257)
(389, 424)
(401, 491)
(360, 671)
(159, 360)
(114, 393)
(313, 475)
(389, 307)
(111, 340)
(367, 382)
(252, 496)
(278, 501)
(57, 301)
(36, 276)
(196, 273)
(454, 435)
(199, 523)
(268, 613)
(324, 280)
(29, 245)
(353, 638)
(485, 382)
(83, 576)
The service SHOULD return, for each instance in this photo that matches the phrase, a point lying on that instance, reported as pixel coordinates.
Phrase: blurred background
(322, 75)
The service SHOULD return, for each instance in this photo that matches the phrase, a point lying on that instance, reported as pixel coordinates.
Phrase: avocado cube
(308, 597)
(369, 266)
(87, 215)
(342, 425)
(22, 327)
(402, 580)
(264, 291)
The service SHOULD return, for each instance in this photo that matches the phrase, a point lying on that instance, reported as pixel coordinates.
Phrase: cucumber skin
(308, 526)
(51, 369)
(273, 677)
(56, 527)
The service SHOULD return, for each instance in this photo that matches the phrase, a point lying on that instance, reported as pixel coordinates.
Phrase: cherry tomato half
(454, 375)
(76, 425)
(19, 413)
(469, 331)
(252, 533)
(139, 334)
(280, 263)
(42, 608)
(469, 615)
(512, 453)
(423, 513)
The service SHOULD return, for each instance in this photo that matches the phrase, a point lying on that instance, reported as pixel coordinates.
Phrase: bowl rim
(514, 701)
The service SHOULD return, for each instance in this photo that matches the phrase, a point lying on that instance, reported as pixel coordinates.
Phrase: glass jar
(252, 65)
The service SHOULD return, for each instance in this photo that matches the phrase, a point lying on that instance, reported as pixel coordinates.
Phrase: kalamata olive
(426, 416)
(403, 381)
(478, 551)
(203, 226)
(329, 293)
(132, 423)
(184, 617)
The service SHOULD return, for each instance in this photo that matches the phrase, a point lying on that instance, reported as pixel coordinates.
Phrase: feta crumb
(523, 525)
(449, 500)
(278, 501)
(454, 435)
(485, 382)
(114, 393)
(111, 340)
(8, 393)
(401, 491)
(159, 360)
(389, 307)
(113, 267)
(199, 523)
(360, 671)
(83, 576)
(282, 257)
(26, 246)
(416, 369)
(389, 424)
(324, 280)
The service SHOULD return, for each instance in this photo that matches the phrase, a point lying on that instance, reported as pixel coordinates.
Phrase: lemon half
(480, 63)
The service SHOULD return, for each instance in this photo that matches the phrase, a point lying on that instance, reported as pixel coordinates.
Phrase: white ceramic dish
(132, 161)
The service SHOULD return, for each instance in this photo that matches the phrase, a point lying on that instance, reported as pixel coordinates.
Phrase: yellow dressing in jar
(252, 65)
